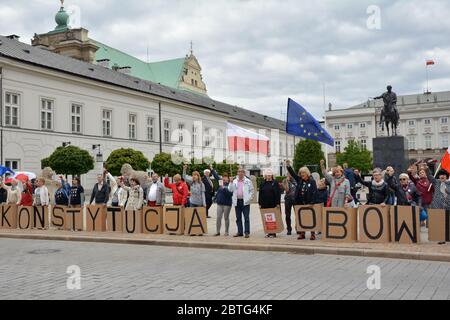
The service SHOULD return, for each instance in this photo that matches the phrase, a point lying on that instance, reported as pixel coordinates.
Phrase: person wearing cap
(242, 189)
(269, 195)
(405, 190)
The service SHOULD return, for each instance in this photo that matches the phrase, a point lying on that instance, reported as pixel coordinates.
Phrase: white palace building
(425, 122)
(66, 88)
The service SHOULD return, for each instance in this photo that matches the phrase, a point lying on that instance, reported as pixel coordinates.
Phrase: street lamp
(99, 155)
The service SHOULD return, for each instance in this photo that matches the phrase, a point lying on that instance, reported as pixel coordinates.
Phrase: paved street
(37, 270)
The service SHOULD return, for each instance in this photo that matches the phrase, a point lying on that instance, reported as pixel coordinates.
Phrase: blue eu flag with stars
(301, 123)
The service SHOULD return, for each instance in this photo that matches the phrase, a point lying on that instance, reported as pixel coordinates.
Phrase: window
(107, 117)
(12, 104)
(194, 135)
(350, 126)
(12, 164)
(427, 122)
(412, 143)
(362, 125)
(207, 137)
(444, 120)
(412, 123)
(150, 129)
(363, 143)
(428, 142)
(193, 82)
(444, 141)
(166, 131)
(338, 146)
(76, 118)
(180, 132)
(132, 122)
(47, 107)
(337, 127)
(219, 139)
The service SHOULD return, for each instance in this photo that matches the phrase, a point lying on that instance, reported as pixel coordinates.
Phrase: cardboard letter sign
(173, 220)
(308, 218)
(340, 224)
(114, 219)
(132, 221)
(96, 218)
(439, 225)
(272, 220)
(195, 221)
(374, 224)
(9, 216)
(58, 217)
(152, 220)
(405, 224)
(40, 218)
(74, 219)
(25, 217)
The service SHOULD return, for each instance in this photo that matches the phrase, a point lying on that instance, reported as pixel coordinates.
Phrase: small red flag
(430, 63)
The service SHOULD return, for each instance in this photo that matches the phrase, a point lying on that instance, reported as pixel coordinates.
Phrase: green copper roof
(62, 20)
(167, 73)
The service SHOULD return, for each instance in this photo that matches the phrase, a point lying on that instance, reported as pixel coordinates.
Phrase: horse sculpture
(389, 115)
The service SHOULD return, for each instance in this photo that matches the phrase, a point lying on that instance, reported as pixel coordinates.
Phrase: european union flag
(301, 123)
(4, 170)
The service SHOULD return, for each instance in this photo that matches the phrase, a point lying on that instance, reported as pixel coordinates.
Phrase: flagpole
(426, 69)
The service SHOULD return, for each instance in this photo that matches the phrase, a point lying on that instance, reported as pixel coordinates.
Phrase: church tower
(74, 43)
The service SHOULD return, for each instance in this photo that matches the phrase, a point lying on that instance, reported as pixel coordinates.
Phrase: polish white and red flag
(445, 163)
(243, 140)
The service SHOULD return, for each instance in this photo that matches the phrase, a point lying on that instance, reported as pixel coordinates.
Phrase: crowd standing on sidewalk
(338, 188)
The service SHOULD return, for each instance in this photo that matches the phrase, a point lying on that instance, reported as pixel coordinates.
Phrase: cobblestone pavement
(38, 270)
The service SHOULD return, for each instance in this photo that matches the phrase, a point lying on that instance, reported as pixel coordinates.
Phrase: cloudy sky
(257, 53)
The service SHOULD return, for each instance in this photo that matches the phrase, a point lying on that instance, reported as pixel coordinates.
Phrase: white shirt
(152, 193)
(42, 193)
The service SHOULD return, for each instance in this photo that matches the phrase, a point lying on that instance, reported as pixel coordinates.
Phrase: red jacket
(424, 190)
(27, 196)
(180, 192)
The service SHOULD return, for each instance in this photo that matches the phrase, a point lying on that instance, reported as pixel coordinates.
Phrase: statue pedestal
(391, 151)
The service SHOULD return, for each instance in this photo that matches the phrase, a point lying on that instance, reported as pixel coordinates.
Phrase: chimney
(103, 63)
(124, 70)
(13, 37)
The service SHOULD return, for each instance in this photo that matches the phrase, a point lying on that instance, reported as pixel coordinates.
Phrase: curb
(304, 250)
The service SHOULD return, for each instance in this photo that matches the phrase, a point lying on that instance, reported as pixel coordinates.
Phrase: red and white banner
(240, 139)
(445, 164)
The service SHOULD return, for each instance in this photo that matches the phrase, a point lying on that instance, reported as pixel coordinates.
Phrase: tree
(308, 153)
(162, 164)
(356, 156)
(69, 160)
(225, 167)
(119, 157)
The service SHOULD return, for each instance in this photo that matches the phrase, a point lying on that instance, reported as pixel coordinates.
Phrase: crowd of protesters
(338, 188)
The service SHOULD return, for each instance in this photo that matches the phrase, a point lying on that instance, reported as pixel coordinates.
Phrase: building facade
(424, 123)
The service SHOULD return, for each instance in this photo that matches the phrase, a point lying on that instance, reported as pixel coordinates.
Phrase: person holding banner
(41, 194)
(242, 189)
(120, 196)
(27, 194)
(305, 193)
(441, 197)
(378, 188)
(289, 185)
(14, 192)
(197, 195)
(339, 186)
(76, 196)
(100, 192)
(62, 192)
(224, 200)
(322, 194)
(3, 192)
(423, 185)
(136, 195)
(209, 190)
(405, 191)
(155, 193)
(269, 195)
(180, 191)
